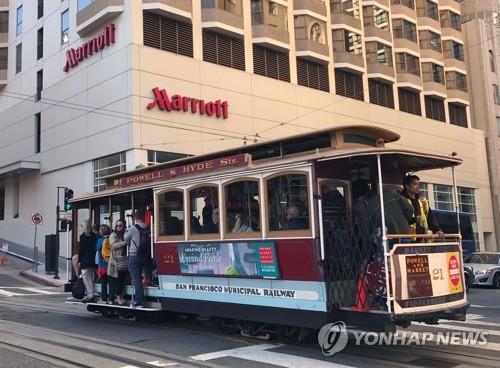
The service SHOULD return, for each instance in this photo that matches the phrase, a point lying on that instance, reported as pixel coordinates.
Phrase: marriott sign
(73, 56)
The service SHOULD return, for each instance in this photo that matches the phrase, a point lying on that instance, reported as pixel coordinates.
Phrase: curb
(26, 273)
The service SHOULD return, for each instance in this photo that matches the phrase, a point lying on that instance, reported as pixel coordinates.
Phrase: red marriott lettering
(73, 56)
(195, 105)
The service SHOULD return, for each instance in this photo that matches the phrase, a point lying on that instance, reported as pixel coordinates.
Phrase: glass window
(496, 94)
(467, 202)
(107, 165)
(443, 197)
(156, 157)
(4, 22)
(19, 28)
(258, 12)
(65, 27)
(242, 207)
(492, 60)
(424, 190)
(498, 126)
(4, 56)
(2, 200)
(82, 4)
(287, 196)
(204, 210)
(19, 58)
(171, 213)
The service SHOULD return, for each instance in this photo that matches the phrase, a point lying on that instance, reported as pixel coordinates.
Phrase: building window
(348, 7)
(424, 190)
(427, 8)
(19, 58)
(65, 27)
(4, 58)
(19, 27)
(450, 19)
(373, 16)
(496, 94)
(4, 22)
(432, 73)
(492, 60)
(271, 63)
(39, 85)
(105, 166)
(381, 93)
(223, 50)
(404, 29)
(168, 34)
(408, 3)
(409, 101)
(40, 9)
(443, 197)
(312, 75)
(38, 132)
(453, 50)
(407, 63)
(349, 84)
(498, 126)
(82, 4)
(378, 52)
(430, 40)
(467, 202)
(39, 46)
(347, 41)
(2, 200)
(258, 12)
(456, 80)
(434, 108)
(157, 157)
(458, 114)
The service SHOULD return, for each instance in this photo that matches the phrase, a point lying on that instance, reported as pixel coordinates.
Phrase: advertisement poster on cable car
(426, 276)
(230, 259)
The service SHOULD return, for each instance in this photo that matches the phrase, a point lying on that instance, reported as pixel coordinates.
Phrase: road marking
(259, 353)
(9, 293)
(159, 363)
(40, 291)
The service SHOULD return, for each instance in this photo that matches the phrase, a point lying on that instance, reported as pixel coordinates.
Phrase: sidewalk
(27, 269)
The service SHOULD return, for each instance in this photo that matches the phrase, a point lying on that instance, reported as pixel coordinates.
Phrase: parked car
(486, 266)
(468, 277)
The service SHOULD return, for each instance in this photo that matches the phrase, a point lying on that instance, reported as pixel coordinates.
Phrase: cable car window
(242, 207)
(204, 210)
(171, 213)
(287, 197)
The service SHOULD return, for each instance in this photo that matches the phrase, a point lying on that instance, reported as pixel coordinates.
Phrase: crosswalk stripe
(259, 353)
(8, 293)
(40, 291)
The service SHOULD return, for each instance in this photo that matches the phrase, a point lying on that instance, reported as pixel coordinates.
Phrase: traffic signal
(66, 225)
(68, 194)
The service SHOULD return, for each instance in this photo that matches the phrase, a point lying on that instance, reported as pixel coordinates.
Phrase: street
(38, 328)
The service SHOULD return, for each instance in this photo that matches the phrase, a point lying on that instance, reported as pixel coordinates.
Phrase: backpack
(78, 289)
(106, 249)
(145, 242)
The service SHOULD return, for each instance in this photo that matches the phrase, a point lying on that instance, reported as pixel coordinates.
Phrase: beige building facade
(92, 88)
(481, 27)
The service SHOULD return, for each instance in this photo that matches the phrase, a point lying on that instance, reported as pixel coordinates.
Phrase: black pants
(104, 287)
(116, 285)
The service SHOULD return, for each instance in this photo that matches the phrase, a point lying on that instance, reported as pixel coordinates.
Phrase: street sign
(36, 218)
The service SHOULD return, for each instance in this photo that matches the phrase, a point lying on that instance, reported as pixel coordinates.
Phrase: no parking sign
(36, 218)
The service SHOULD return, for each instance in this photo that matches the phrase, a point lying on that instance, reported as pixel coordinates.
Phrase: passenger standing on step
(116, 279)
(136, 261)
(86, 258)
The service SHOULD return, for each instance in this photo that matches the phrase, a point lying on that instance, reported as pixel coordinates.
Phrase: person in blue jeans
(136, 261)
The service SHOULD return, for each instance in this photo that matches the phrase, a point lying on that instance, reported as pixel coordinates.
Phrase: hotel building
(79, 82)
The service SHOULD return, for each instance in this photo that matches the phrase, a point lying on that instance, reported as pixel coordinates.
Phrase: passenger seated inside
(294, 219)
(333, 201)
(212, 226)
(239, 225)
(173, 226)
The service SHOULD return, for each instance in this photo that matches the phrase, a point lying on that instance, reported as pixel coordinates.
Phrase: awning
(18, 168)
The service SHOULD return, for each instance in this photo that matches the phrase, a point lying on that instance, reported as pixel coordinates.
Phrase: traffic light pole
(56, 255)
